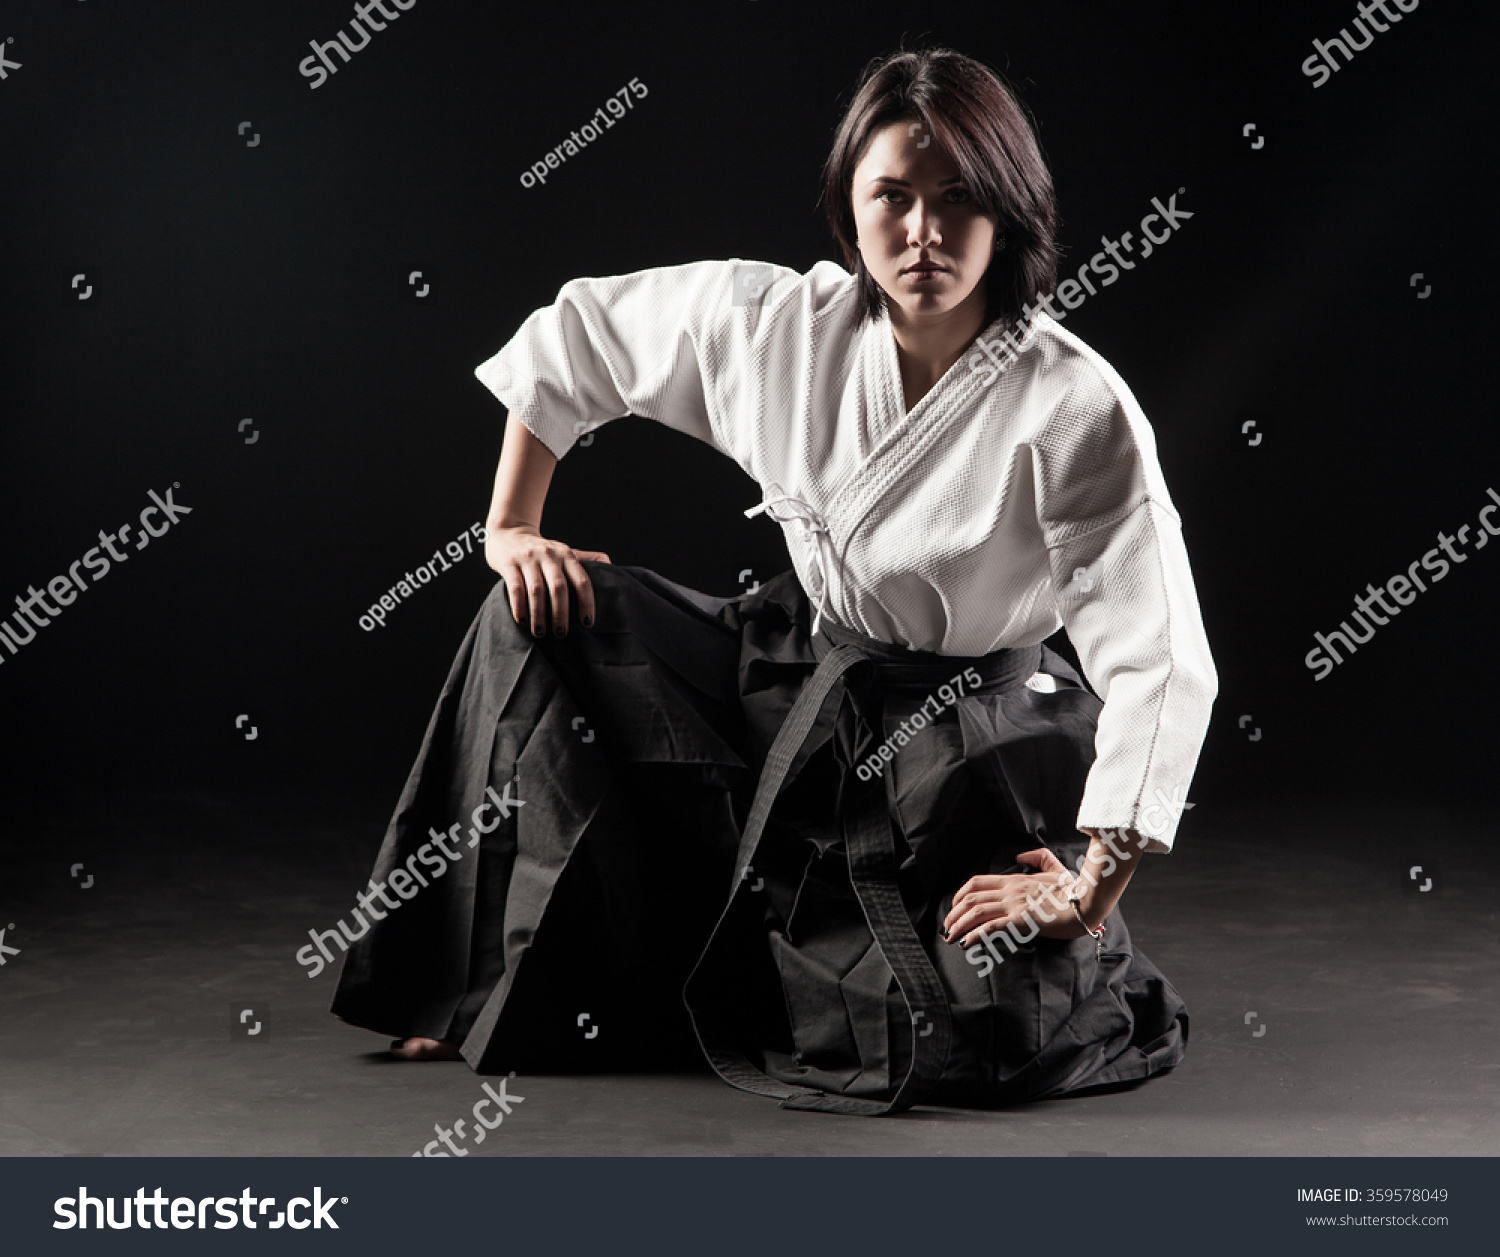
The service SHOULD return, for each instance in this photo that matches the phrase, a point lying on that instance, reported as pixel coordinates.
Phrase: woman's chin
(926, 305)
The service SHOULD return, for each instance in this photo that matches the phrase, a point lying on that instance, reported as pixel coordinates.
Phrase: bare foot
(424, 1050)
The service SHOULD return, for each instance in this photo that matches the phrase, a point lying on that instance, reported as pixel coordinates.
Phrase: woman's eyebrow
(902, 183)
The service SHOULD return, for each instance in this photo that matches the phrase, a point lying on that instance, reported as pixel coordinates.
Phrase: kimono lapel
(905, 438)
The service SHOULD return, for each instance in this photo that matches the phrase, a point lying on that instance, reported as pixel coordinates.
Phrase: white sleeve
(648, 343)
(1125, 592)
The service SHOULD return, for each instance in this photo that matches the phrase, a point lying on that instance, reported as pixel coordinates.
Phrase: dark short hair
(980, 124)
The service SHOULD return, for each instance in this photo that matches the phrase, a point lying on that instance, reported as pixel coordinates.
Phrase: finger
(1053, 865)
(536, 591)
(989, 932)
(994, 920)
(975, 917)
(982, 881)
(955, 928)
(557, 593)
(963, 903)
(977, 931)
(988, 884)
(583, 588)
(1004, 890)
(597, 556)
(515, 590)
(1036, 909)
(969, 903)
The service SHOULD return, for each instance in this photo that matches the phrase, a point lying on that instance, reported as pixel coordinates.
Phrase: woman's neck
(927, 347)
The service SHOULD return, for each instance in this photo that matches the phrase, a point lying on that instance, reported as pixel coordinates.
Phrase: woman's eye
(954, 196)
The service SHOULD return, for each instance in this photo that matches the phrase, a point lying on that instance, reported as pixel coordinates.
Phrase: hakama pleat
(691, 864)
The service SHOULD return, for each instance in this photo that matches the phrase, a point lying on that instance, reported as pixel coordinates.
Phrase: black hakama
(686, 858)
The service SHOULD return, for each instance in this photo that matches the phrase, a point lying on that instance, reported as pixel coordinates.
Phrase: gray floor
(1378, 1005)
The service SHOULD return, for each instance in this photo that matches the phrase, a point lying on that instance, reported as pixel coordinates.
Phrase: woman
(808, 813)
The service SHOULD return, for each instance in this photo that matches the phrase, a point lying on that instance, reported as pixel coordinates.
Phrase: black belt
(871, 848)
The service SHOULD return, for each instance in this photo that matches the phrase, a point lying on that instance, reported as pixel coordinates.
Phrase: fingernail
(560, 631)
(588, 621)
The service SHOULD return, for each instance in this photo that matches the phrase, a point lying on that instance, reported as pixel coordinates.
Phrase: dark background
(265, 282)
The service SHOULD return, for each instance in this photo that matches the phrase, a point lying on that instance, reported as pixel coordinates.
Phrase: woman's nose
(923, 227)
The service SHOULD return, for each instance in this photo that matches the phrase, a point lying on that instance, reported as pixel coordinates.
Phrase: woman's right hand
(543, 578)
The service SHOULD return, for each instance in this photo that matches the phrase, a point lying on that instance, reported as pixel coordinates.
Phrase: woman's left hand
(992, 901)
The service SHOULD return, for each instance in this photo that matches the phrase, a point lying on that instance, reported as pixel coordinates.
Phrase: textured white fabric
(987, 517)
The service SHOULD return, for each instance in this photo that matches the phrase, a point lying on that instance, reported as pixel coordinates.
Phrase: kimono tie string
(787, 508)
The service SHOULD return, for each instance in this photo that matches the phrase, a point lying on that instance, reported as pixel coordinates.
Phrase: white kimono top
(1005, 504)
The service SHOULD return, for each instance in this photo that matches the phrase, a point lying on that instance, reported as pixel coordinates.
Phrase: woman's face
(922, 237)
